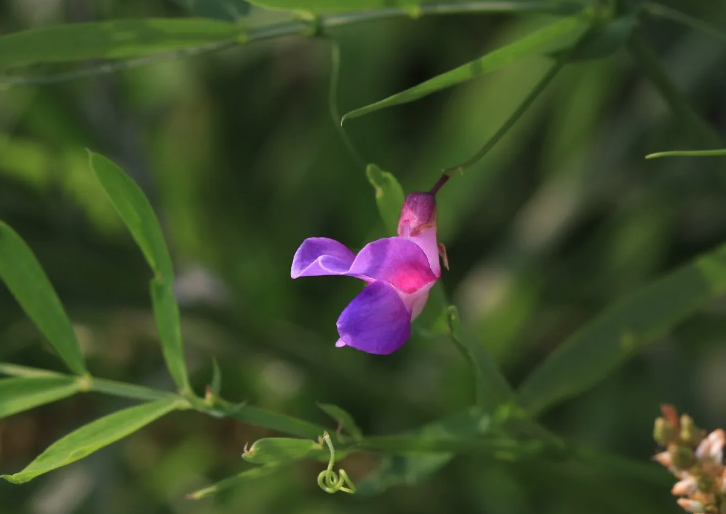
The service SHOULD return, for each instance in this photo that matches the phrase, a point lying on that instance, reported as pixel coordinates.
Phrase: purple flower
(399, 272)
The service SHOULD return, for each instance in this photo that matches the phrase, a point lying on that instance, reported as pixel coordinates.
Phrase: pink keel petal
(376, 321)
(321, 256)
(395, 260)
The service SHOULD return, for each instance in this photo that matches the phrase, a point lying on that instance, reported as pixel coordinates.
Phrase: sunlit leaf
(531, 44)
(280, 450)
(225, 10)
(389, 196)
(24, 393)
(597, 349)
(111, 40)
(250, 474)
(345, 420)
(93, 437)
(136, 212)
(28, 283)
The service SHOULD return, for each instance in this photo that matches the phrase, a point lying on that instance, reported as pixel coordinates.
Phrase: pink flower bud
(418, 223)
(691, 505)
(664, 459)
(685, 487)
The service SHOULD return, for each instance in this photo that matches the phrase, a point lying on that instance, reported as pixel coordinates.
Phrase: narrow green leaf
(604, 40)
(216, 386)
(250, 474)
(118, 39)
(320, 6)
(688, 153)
(594, 351)
(531, 44)
(492, 389)
(24, 393)
(389, 196)
(136, 212)
(275, 421)
(706, 28)
(92, 437)
(344, 419)
(281, 450)
(28, 283)
(225, 10)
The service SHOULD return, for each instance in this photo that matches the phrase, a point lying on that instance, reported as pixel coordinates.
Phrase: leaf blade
(250, 474)
(282, 450)
(28, 283)
(23, 393)
(344, 419)
(92, 437)
(389, 196)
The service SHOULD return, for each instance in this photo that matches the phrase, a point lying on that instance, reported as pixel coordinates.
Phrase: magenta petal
(398, 261)
(376, 321)
(321, 256)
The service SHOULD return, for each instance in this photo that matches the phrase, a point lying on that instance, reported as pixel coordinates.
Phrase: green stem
(688, 153)
(661, 11)
(111, 387)
(15, 370)
(314, 26)
(678, 102)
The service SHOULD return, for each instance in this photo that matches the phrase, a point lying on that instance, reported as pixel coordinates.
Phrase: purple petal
(398, 261)
(321, 256)
(376, 321)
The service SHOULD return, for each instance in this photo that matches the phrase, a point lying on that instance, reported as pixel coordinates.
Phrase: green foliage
(345, 420)
(245, 476)
(321, 6)
(389, 196)
(225, 10)
(531, 44)
(26, 280)
(281, 450)
(93, 437)
(688, 153)
(120, 39)
(139, 217)
(23, 393)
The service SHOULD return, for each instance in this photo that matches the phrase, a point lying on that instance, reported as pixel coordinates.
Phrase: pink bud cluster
(695, 458)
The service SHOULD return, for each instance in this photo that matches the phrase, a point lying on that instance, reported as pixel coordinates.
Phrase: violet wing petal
(376, 321)
(321, 256)
(398, 261)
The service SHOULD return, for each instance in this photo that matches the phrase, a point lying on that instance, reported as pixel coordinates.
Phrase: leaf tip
(13, 479)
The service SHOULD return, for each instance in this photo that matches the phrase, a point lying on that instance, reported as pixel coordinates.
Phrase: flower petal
(376, 321)
(395, 260)
(321, 256)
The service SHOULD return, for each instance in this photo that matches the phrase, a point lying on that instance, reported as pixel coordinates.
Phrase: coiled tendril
(330, 481)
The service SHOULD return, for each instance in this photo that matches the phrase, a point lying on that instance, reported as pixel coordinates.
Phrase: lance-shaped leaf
(531, 44)
(344, 419)
(118, 39)
(24, 393)
(281, 450)
(389, 196)
(27, 282)
(136, 212)
(225, 10)
(320, 6)
(275, 421)
(245, 476)
(593, 352)
(92, 437)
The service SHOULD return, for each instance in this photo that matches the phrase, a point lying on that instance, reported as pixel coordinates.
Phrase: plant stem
(688, 153)
(111, 387)
(15, 370)
(678, 102)
(315, 26)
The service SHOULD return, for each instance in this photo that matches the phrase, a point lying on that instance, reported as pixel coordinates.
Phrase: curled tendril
(330, 481)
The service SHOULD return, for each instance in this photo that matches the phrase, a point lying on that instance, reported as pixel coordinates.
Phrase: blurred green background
(240, 158)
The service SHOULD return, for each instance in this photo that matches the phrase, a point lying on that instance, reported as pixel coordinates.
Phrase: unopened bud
(711, 448)
(663, 432)
(685, 487)
(691, 505)
(688, 429)
(664, 459)
(670, 414)
(682, 456)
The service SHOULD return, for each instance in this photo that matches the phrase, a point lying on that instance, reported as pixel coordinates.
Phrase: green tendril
(330, 481)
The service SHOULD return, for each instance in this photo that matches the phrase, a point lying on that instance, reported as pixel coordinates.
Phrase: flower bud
(691, 505)
(663, 432)
(685, 487)
(682, 456)
(688, 429)
(418, 213)
(664, 459)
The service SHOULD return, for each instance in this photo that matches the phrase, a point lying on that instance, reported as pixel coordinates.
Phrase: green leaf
(688, 153)
(492, 389)
(528, 45)
(250, 474)
(225, 10)
(28, 283)
(281, 450)
(320, 6)
(24, 393)
(92, 437)
(118, 39)
(275, 421)
(598, 348)
(344, 419)
(136, 212)
(389, 196)
(216, 386)
(604, 40)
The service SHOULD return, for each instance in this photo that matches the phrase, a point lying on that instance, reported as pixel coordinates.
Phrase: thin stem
(442, 180)
(308, 27)
(661, 11)
(675, 98)
(688, 153)
(111, 387)
(15, 370)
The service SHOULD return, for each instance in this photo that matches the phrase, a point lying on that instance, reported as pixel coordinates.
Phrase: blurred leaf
(275, 421)
(344, 419)
(216, 386)
(662, 11)
(280, 450)
(136, 212)
(318, 6)
(604, 40)
(225, 10)
(24, 393)
(688, 153)
(111, 40)
(28, 283)
(492, 389)
(598, 348)
(389, 196)
(92, 437)
(250, 474)
(530, 44)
